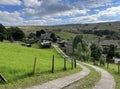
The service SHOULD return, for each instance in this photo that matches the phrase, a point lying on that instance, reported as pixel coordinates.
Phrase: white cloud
(15, 18)
(51, 2)
(49, 19)
(10, 18)
(35, 13)
(84, 19)
(41, 21)
(32, 3)
(71, 12)
(10, 2)
(109, 12)
(33, 22)
(43, 12)
(92, 3)
(112, 11)
(29, 12)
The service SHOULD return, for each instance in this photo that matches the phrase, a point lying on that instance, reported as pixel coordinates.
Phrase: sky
(57, 12)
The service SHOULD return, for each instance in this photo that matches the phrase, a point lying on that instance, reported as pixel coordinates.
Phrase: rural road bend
(106, 82)
(62, 82)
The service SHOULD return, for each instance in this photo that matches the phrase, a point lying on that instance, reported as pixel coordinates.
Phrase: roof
(92, 40)
(46, 36)
(109, 42)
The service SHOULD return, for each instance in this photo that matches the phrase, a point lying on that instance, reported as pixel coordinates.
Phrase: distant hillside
(74, 27)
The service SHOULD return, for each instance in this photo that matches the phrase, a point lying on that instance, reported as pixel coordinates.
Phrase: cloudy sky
(55, 12)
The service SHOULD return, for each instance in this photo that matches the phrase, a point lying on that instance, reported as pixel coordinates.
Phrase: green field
(65, 35)
(16, 65)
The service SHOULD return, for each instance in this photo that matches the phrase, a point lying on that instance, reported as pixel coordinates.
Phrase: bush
(16, 33)
(117, 54)
(53, 36)
(3, 33)
(2, 37)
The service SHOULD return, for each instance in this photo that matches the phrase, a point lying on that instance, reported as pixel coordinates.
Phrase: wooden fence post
(107, 65)
(3, 78)
(118, 66)
(72, 63)
(53, 64)
(75, 63)
(34, 68)
(64, 64)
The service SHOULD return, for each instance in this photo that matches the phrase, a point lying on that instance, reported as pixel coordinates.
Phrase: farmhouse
(45, 44)
(69, 48)
(46, 37)
(92, 40)
(62, 43)
(116, 60)
(106, 43)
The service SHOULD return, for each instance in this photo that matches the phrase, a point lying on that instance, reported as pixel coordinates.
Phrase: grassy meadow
(16, 65)
(65, 35)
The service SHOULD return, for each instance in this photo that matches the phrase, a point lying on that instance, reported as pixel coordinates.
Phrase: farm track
(106, 81)
(65, 81)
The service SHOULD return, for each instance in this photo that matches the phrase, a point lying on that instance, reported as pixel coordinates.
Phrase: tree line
(93, 52)
(11, 34)
(107, 33)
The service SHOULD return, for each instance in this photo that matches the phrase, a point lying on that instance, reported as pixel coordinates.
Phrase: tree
(79, 51)
(87, 53)
(53, 36)
(42, 31)
(111, 51)
(2, 37)
(38, 33)
(16, 33)
(31, 35)
(96, 52)
(2, 29)
(83, 51)
(3, 33)
(76, 40)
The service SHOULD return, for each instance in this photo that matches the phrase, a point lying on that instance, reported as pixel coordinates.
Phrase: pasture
(16, 65)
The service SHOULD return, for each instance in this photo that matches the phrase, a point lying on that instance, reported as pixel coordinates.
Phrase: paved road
(107, 81)
(65, 81)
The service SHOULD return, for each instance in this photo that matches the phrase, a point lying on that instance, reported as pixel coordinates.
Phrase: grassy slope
(16, 63)
(65, 35)
(74, 27)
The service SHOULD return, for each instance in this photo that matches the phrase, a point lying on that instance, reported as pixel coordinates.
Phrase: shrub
(16, 33)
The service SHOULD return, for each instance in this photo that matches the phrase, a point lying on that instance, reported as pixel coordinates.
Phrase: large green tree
(111, 51)
(76, 40)
(53, 37)
(3, 32)
(16, 33)
(96, 52)
(38, 33)
(83, 51)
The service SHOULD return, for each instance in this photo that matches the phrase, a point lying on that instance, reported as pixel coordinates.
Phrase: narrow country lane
(65, 81)
(106, 82)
